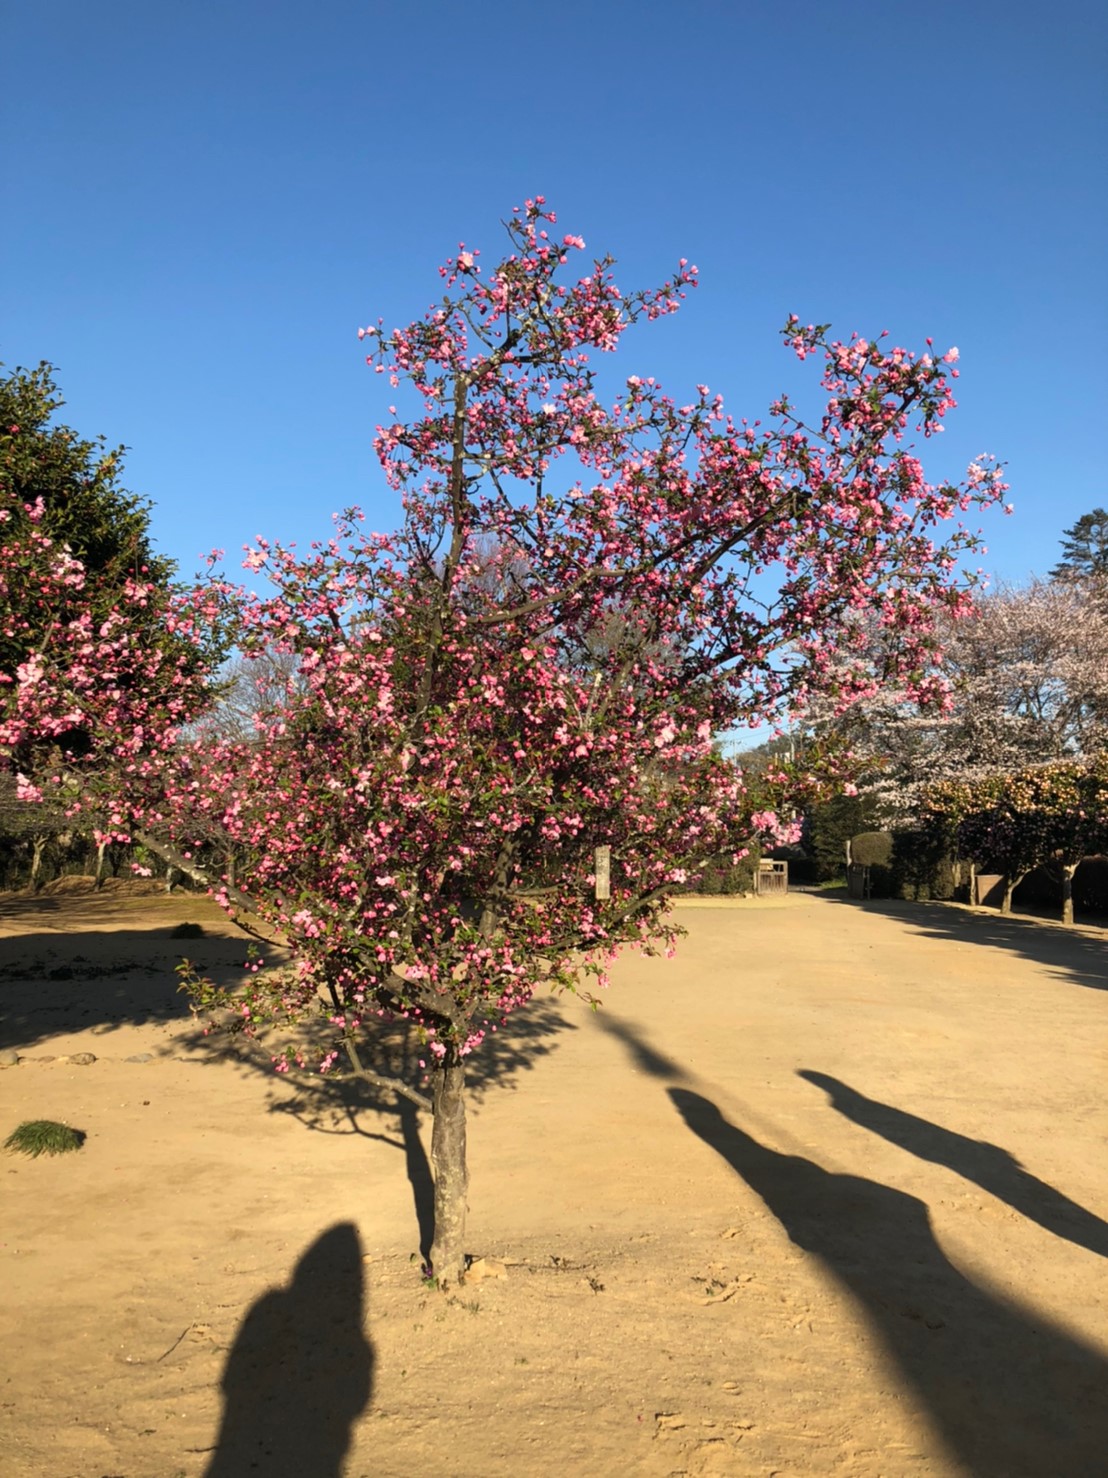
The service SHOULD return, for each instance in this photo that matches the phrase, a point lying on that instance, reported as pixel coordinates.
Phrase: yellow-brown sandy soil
(825, 1194)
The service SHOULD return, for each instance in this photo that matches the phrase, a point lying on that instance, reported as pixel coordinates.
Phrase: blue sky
(205, 201)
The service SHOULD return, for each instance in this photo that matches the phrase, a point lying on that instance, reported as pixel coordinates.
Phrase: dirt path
(826, 1194)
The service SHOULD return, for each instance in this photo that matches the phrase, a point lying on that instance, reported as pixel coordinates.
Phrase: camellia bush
(490, 760)
(1051, 816)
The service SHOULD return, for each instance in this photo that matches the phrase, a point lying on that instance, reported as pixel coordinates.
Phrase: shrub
(922, 868)
(727, 877)
(872, 848)
(828, 827)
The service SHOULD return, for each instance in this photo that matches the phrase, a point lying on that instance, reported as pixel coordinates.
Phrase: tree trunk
(101, 848)
(448, 1165)
(1068, 870)
(38, 848)
(1009, 889)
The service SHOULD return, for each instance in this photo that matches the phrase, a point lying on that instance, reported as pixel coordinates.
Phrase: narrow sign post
(603, 870)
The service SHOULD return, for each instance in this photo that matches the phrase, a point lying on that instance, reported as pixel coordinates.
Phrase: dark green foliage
(84, 508)
(828, 827)
(872, 848)
(59, 491)
(802, 868)
(1090, 885)
(105, 527)
(922, 868)
(1084, 548)
(1040, 891)
(907, 864)
(37, 1137)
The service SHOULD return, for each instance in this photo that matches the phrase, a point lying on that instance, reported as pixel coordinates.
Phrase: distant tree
(829, 825)
(1051, 816)
(87, 643)
(1084, 548)
(26, 835)
(83, 506)
(1026, 678)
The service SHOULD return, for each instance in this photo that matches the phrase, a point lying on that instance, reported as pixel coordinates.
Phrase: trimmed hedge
(872, 848)
(906, 864)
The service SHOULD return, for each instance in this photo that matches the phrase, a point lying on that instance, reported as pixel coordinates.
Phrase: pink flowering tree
(491, 761)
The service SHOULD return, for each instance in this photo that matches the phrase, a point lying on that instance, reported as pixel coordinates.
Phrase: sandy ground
(825, 1194)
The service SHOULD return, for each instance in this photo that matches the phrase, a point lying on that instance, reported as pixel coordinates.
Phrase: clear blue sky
(204, 201)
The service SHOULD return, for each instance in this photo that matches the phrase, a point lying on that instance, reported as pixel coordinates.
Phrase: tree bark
(448, 1165)
(38, 849)
(1068, 870)
(1009, 889)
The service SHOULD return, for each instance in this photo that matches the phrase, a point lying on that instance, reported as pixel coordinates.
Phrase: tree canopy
(85, 634)
(493, 758)
(1084, 548)
(1025, 677)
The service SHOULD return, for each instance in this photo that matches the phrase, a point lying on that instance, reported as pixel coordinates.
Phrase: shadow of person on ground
(1011, 1394)
(987, 1165)
(1068, 953)
(300, 1372)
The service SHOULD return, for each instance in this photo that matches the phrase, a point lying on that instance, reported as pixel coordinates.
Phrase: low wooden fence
(771, 877)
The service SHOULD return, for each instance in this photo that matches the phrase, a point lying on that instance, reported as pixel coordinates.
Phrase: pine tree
(1084, 548)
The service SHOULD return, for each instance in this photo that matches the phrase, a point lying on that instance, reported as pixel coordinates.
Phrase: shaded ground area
(1071, 953)
(826, 1194)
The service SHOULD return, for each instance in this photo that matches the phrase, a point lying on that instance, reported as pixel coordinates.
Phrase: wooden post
(602, 867)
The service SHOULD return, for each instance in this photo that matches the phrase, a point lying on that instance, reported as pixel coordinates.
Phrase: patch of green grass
(44, 1137)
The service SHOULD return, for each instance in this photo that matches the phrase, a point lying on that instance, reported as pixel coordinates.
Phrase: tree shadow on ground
(99, 980)
(1011, 1393)
(300, 1372)
(1069, 953)
(986, 1165)
(337, 1103)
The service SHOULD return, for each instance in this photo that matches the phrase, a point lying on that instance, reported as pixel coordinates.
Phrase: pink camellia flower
(25, 791)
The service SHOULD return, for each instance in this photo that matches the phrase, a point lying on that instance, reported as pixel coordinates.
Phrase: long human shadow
(987, 1165)
(1070, 955)
(300, 1372)
(1011, 1394)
